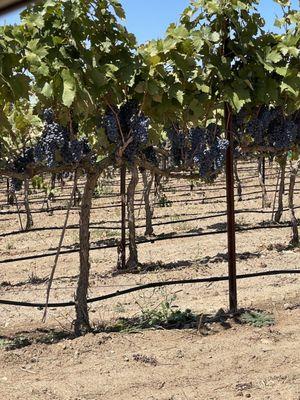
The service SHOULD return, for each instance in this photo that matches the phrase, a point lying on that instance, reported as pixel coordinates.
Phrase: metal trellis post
(123, 216)
(230, 213)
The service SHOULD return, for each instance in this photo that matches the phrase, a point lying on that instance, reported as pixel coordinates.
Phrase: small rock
(266, 341)
(287, 306)
(179, 354)
(248, 395)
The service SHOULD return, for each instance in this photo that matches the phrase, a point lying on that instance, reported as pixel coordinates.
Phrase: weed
(164, 316)
(53, 337)
(17, 343)
(176, 217)
(183, 227)
(3, 342)
(33, 279)
(101, 189)
(119, 308)
(10, 246)
(259, 319)
(164, 201)
(110, 233)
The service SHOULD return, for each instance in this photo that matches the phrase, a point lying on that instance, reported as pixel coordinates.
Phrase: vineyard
(200, 213)
(149, 202)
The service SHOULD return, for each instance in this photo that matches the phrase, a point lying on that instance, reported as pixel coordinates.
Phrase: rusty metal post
(230, 212)
(123, 215)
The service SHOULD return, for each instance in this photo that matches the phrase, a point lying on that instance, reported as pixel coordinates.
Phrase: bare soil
(221, 361)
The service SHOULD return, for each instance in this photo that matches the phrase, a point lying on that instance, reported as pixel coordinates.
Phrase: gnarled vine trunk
(77, 194)
(294, 222)
(82, 324)
(279, 212)
(149, 207)
(132, 261)
(29, 220)
(121, 264)
(261, 177)
(10, 194)
(238, 181)
(52, 187)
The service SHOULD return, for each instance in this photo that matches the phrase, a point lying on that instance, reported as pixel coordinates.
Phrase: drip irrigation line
(145, 241)
(13, 289)
(204, 200)
(94, 226)
(183, 188)
(115, 183)
(150, 286)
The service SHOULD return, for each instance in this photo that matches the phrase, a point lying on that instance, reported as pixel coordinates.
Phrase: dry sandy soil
(219, 361)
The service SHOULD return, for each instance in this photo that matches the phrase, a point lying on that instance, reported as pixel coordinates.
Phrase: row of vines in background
(154, 194)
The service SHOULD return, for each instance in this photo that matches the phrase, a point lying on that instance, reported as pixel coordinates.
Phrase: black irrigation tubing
(167, 190)
(151, 286)
(220, 197)
(94, 225)
(203, 200)
(116, 183)
(143, 240)
(175, 189)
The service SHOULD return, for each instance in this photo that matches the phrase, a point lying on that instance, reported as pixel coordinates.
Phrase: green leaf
(154, 60)
(282, 71)
(204, 88)
(274, 56)
(118, 9)
(180, 32)
(179, 95)
(47, 90)
(99, 79)
(290, 87)
(69, 87)
(215, 37)
(197, 40)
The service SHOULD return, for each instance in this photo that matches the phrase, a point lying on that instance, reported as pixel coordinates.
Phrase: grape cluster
(212, 159)
(256, 130)
(111, 126)
(178, 140)
(52, 143)
(197, 138)
(20, 164)
(270, 128)
(127, 124)
(55, 146)
(282, 135)
(203, 147)
(53, 149)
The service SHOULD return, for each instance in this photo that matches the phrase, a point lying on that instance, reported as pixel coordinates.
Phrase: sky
(148, 19)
